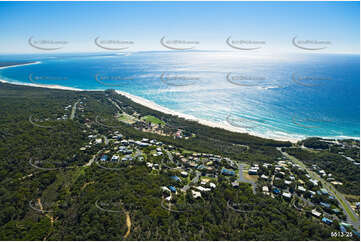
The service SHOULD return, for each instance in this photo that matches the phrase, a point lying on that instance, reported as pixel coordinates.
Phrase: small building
(342, 229)
(98, 141)
(212, 185)
(202, 189)
(336, 210)
(287, 195)
(288, 182)
(165, 189)
(235, 184)
(325, 205)
(264, 177)
(104, 158)
(226, 172)
(115, 158)
(175, 178)
(252, 171)
(196, 194)
(301, 189)
(172, 189)
(327, 221)
(184, 173)
(124, 142)
(314, 182)
(276, 191)
(265, 189)
(324, 191)
(315, 213)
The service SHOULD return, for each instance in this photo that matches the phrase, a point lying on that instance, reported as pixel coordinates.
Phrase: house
(104, 158)
(252, 172)
(165, 189)
(327, 221)
(98, 141)
(150, 165)
(288, 182)
(212, 185)
(226, 172)
(172, 189)
(124, 142)
(315, 213)
(323, 191)
(202, 189)
(184, 173)
(301, 189)
(201, 167)
(287, 195)
(175, 178)
(196, 194)
(314, 182)
(326, 205)
(343, 229)
(235, 184)
(115, 158)
(169, 198)
(264, 177)
(265, 190)
(312, 193)
(336, 210)
(276, 191)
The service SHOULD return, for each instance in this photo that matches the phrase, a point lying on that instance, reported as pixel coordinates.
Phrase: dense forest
(71, 201)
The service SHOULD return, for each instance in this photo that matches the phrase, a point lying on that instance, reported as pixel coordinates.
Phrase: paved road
(73, 110)
(241, 179)
(352, 217)
(92, 159)
(194, 180)
(116, 105)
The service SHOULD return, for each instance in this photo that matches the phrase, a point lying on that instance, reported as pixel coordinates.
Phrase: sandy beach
(33, 63)
(42, 86)
(224, 125)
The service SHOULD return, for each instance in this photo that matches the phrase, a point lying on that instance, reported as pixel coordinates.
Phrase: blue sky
(209, 23)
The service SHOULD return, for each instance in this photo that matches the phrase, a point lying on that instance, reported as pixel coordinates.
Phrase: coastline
(280, 136)
(42, 86)
(226, 126)
(17, 65)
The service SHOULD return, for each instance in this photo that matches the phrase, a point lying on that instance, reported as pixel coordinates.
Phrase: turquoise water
(275, 96)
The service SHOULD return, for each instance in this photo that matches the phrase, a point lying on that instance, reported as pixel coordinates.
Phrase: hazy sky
(274, 25)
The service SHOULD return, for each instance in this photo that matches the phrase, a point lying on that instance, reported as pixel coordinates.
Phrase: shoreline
(17, 65)
(152, 105)
(225, 126)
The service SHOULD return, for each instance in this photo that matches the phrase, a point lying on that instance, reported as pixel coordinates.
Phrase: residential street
(352, 217)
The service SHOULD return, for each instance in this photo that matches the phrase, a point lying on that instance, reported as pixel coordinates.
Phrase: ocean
(277, 96)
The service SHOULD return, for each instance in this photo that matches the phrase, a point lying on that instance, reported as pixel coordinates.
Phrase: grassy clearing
(152, 119)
